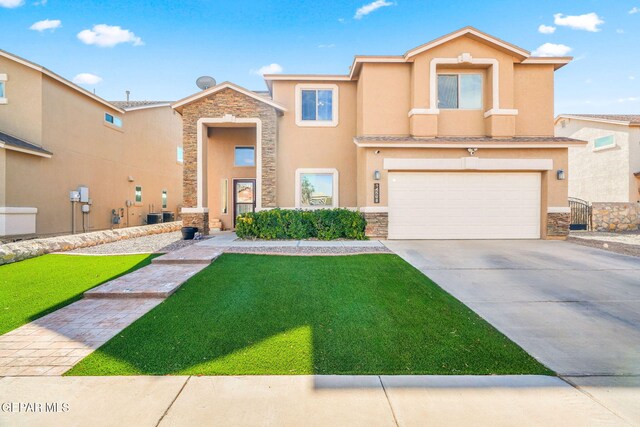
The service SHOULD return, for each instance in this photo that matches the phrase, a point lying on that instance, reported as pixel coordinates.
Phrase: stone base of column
(377, 224)
(199, 220)
(558, 225)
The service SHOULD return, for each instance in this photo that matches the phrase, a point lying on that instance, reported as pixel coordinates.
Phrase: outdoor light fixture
(376, 175)
(560, 174)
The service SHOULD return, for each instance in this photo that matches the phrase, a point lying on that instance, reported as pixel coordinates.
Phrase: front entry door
(244, 197)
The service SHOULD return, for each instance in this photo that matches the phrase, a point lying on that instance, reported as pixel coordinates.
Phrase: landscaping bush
(323, 224)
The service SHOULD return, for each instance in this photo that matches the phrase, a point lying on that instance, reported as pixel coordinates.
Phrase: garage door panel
(464, 205)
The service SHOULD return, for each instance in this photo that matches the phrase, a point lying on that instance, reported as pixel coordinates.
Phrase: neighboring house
(452, 140)
(55, 137)
(607, 169)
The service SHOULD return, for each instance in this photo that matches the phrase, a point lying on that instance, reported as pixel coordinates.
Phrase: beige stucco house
(453, 139)
(55, 138)
(607, 169)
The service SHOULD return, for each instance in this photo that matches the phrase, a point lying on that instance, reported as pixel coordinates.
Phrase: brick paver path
(54, 343)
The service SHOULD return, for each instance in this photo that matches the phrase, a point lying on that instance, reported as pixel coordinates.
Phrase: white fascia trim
(502, 112)
(17, 211)
(226, 85)
(591, 119)
(336, 187)
(146, 107)
(464, 58)
(560, 209)
(359, 60)
(201, 127)
(423, 111)
(59, 79)
(462, 32)
(374, 209)
(561, 60)
(25, 150)
(194, 210)
(466, 145)
(306, 77)
(468, 163)
(335, 105)
(3, 77)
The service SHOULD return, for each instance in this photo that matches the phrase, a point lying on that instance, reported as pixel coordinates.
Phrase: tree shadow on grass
(260, 315)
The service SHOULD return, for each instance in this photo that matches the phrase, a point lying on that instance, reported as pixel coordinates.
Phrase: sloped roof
(12, 143)
(58, 78)
(259, 96)
(628, 119)
(136, 105)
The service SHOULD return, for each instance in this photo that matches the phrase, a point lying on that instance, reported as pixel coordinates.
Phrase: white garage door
(425, 205)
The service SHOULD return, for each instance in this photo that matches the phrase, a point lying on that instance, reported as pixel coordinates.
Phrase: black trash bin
(168, 216)
(188, 233)
(154, 218)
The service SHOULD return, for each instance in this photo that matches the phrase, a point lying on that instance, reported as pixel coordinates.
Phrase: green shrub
(323, 224)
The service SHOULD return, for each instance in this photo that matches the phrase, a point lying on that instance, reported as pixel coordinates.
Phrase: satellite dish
(205, 82)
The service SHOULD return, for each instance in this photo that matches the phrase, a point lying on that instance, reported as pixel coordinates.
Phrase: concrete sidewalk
(304, 400)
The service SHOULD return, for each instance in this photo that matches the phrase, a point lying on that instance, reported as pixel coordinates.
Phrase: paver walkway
(54, 343)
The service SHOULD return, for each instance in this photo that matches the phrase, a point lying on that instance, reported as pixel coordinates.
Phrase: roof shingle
(22, 144)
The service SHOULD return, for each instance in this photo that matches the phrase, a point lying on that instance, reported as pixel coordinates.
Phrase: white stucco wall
(598, 175)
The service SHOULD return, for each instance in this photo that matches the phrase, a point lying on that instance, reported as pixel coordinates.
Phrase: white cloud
(10, 4)
(551, 49)
(634, 10)
(341, 20)
(87, 79)
(40, 3)
(629, 99)
(632, 77)
(46, 24)
(586, 22)
(370, 7)
(326, 46)
(546, 29)
(103, 35)
(588, 81)
(268, 69)
(620, 31)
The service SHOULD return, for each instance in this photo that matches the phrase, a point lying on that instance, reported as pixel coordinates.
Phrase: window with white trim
(316, 188)
(114, 120)
(603, 142)
(316, 105)
(460, 91)
(3, 88)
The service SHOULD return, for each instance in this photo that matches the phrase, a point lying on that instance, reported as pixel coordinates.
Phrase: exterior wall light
(376, 175)
(560, 174)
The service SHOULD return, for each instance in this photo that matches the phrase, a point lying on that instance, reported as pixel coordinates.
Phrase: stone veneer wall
(18, 251)
(615, 216)
(377, 224)
(217, 105)
(558, 224)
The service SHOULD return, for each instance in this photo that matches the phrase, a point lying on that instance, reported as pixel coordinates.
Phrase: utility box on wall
(84, 194)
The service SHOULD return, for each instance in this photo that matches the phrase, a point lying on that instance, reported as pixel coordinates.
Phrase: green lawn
(256, 314)
(35, 287)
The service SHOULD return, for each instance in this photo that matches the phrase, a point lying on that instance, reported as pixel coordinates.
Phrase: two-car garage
(464, 205)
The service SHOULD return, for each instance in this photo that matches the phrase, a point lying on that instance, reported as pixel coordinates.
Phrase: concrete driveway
(574, 308)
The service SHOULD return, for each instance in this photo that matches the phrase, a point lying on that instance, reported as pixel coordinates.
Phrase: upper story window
(110, 118)
(180, 154)
(603, 142)
(3, 89)
(460, 91)
(244, 156)
(316, 105)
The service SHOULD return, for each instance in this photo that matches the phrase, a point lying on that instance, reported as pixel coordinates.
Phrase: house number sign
(376, 193)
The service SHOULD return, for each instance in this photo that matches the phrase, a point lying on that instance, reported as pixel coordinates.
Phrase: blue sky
(163, 46)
